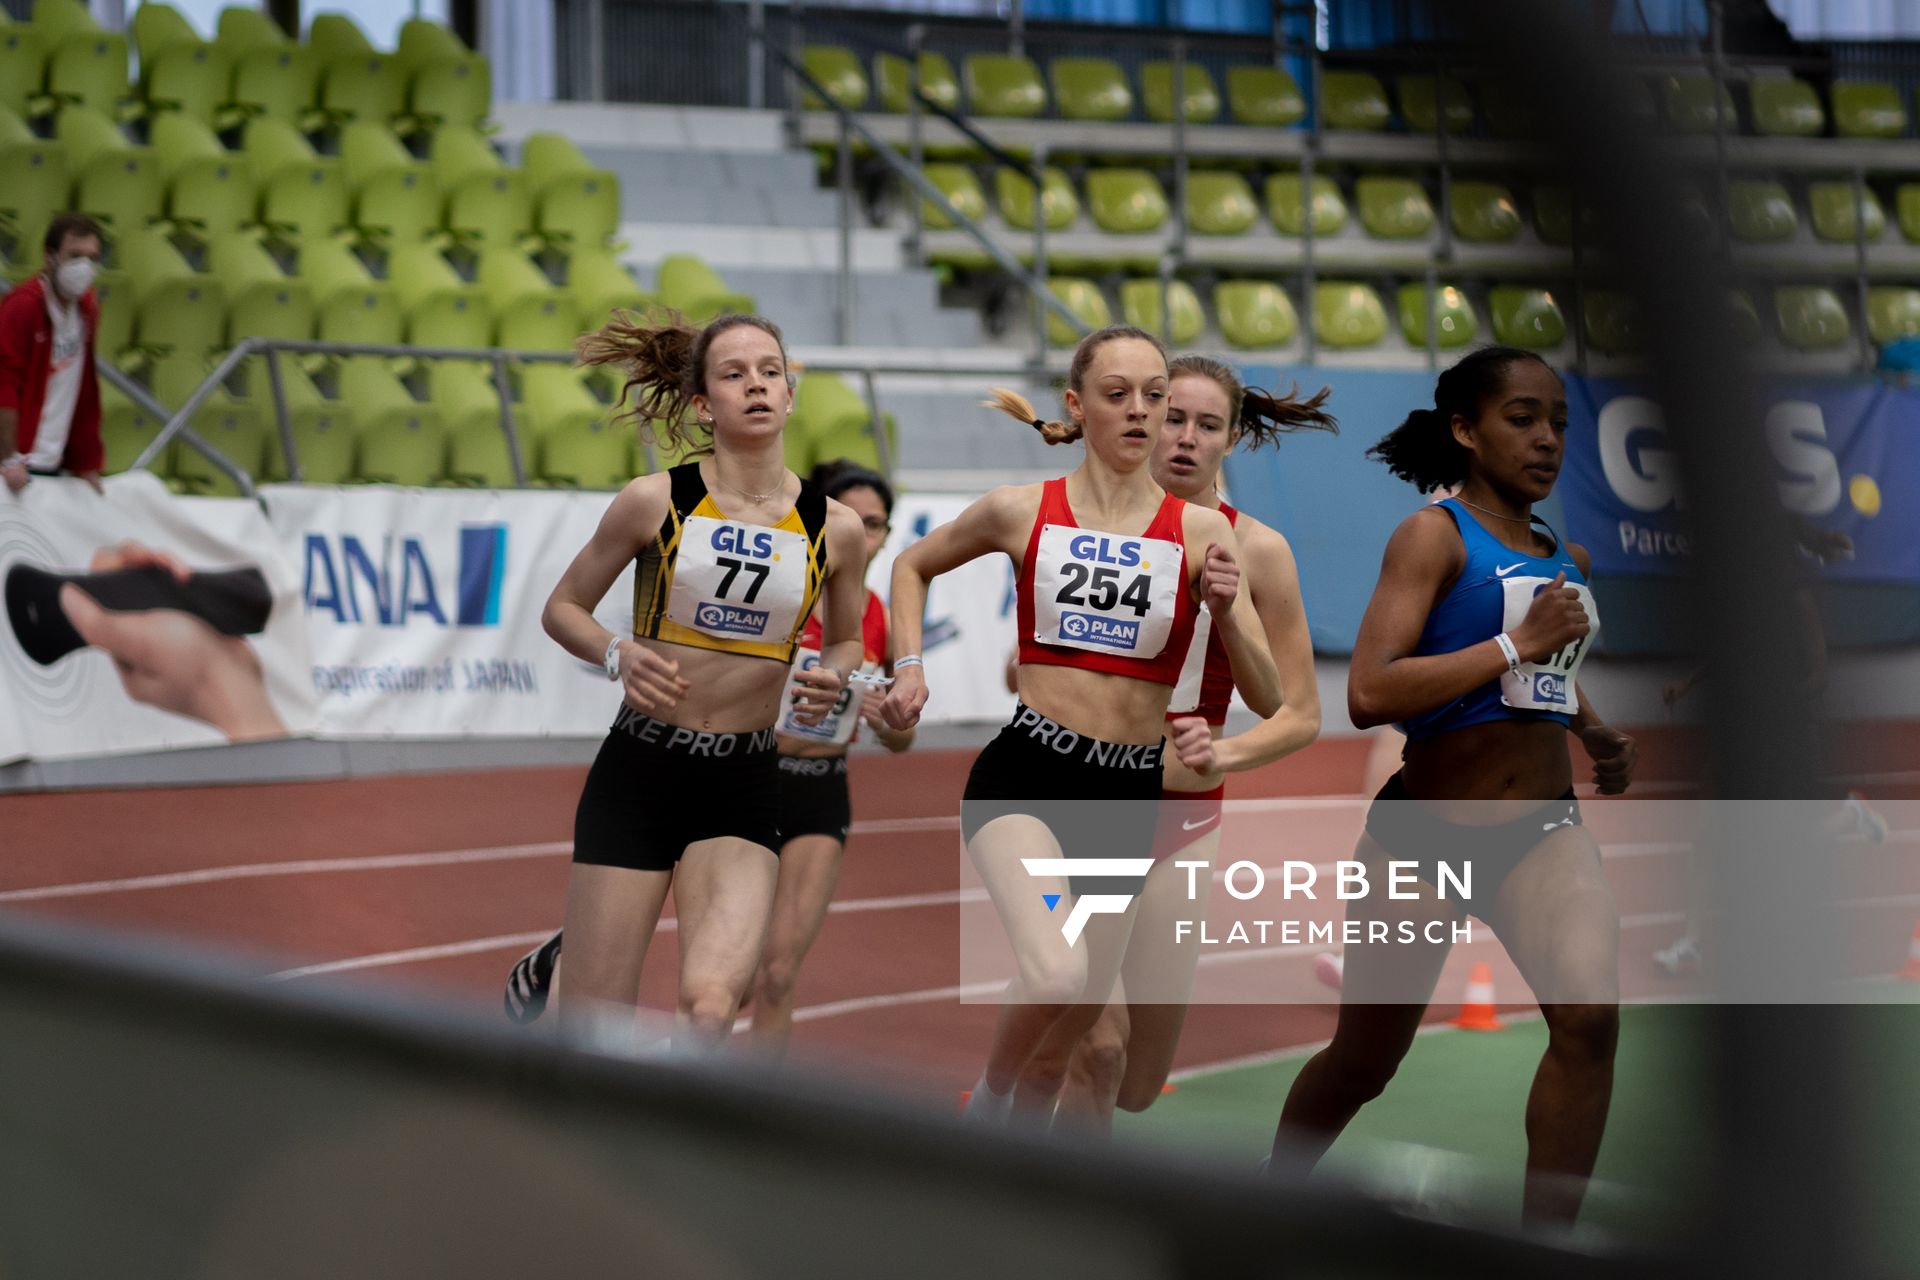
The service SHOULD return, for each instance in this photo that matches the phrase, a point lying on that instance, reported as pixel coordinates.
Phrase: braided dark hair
(1422, 450)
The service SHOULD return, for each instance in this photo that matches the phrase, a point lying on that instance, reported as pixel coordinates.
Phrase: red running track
(438, 881)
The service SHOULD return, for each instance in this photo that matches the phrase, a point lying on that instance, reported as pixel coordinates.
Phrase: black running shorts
(814, 800)
(656, 788)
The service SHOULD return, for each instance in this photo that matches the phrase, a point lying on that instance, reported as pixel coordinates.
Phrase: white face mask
(75, 276)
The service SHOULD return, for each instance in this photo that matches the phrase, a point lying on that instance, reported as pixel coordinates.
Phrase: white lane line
(303, 867)
(501, 942)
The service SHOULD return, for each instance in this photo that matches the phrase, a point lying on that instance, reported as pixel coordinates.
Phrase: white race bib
(838, 724)
(1193, 672)
(1105, 593)
(738, 581)
(1549, 685)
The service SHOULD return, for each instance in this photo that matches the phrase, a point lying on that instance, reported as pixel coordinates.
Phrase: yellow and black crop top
(711, 582)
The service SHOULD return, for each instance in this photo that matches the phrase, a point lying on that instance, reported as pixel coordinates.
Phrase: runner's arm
(1275, 580)
(1240, 629)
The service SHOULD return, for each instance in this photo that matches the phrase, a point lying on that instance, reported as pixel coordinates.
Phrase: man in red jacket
(49, 392)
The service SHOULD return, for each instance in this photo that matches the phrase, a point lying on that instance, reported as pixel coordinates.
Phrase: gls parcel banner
(423, 610)
(1846, 458)
(137, 620)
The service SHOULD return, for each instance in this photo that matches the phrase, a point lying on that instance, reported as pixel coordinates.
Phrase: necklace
(1495, 514)
(756, 499)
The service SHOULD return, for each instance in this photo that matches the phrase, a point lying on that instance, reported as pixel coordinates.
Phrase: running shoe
(1330, 969)
(1866, 819)
(531, 980)
(1680, 959)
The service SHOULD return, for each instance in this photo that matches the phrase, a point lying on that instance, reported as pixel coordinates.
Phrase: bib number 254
(1099, 589)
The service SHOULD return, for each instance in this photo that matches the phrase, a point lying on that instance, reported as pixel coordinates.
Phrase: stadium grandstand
(289, 763)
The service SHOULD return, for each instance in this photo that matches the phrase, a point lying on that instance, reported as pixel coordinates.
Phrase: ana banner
(1846, 457)
(137, 620)
(423, 609)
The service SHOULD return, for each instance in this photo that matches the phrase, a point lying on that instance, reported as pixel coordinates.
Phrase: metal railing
(868, 370)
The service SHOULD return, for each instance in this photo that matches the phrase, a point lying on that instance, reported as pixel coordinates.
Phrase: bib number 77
(1099, 588)
(733, 568)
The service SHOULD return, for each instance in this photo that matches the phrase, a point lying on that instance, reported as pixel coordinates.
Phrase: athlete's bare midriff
(726, 692)
(1523, 763)
(1097, 705)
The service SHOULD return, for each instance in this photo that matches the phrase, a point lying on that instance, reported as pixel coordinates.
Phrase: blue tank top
(1492, 595)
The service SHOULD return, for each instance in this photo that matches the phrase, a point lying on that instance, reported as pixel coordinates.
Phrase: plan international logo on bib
(1548, 687)
(1092, 628)
(730, 619)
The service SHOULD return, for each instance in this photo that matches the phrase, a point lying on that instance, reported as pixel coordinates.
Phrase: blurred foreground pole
(1780, 1189)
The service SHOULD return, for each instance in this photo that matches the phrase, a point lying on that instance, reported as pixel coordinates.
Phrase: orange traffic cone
(1912, 971)
(1476, 1009)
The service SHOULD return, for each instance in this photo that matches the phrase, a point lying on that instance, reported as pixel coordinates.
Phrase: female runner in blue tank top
(1473, 641)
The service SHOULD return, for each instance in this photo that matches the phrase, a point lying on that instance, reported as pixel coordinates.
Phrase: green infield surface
(1446, 1139)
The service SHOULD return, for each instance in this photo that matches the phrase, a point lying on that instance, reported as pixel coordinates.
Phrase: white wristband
(908, 660)
(1505, 642)
(611, 659)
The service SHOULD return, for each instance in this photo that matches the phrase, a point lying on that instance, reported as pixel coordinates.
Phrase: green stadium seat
(335, 35)
(281, 81)
(33, 185)
(249, 27)
(830, 420)
(175, 375)
(1090, 89)
(839, 73)
(1811, 317)
(1743, 318)
(486, 202)
(1420, 107)
(1613, 322)
(176, 309)
(1140, 307)
(1199, 105)
(456, 91)
(89, 69)
(1906, 203)
(395, 197)
(691, 287)
(462, 392)
(23, 68)
(194, 79)
(1285, 209)
(239, 431)
(1001, 85)
(1695, 217)
(1553, 215)
(1868, 109)
(587, 455)
(1832, 205)
(1786, 108)
(1509, 112)
(1393, 208)
(1455, 324)
(113, 290)
(1893, 312)
(1255, 314)
(1124, 201)
(478, 457)
(1220, 204)
(554, 397)
(113, 180)
(1015, 195)
(959, 185)
(324, 440)
(1353, 100)
(209, 188)
(261, 301)
(573, 201)
(1484, 213)
(301, 194)
(937, 80)
(600, 283)
(424, 41)
(532, 314)
(1347, 314)
(1526, 317)
(442, 309)
(1264, 96)
(1760, 212)
(402, 441)
(125, 429)
(351, 306)
(1690, 104)
(1084, 299)
(364, 87)
(62, 18)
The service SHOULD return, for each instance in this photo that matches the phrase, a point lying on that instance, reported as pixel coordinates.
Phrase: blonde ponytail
(1015, 405)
